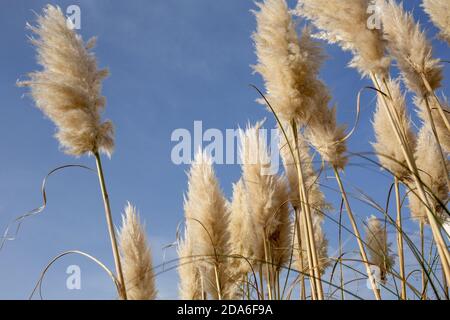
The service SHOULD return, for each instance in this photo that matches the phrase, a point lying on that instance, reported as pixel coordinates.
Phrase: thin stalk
(340, 255)
(266, 258)
(203, 287)
(362, 251)
(248, 288)
(216, 273)
(302, 267)
(306, 210)
(445, 285)
(261, 281)
(422, 252)
(440, 109)
(110, 225)
(401, 255)
(393, 118)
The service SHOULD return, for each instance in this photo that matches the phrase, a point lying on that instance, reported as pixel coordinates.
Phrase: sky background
(172, 62)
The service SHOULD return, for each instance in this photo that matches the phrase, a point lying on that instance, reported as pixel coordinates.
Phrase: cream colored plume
(409, 45)
(379, 248)
(136, 257)
(207, 215)
(386, 146)
(441, 129)
(267, 196)
(190, 285)
(321, 243)
(433, 175)
(311, 179)
(68, 88)
(242, 231)
(347, 23)
(439, 12)
(287, 64)
(324, 133)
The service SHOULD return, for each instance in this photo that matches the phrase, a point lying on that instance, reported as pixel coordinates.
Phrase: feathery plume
(379, 248)
(410, 47)
(68, 89)
(441, 130)
(136, 257)
(268, 197)
(323, 132)
(346, 23)
(242, 236)
(190, 284)
(321, 243)
(241, 230)
(386, 146)
(433, 177)
(315, 196)
(207, 217)
(439, 12)
(287, 64)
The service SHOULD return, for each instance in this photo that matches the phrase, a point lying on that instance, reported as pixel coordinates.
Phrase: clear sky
(172, 62)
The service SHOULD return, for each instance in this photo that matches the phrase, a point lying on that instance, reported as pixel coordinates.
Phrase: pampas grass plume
(207, 215)
(241, 230)
(68, 88)
(439, 12)
(346, 23)
(286, 63)
(379, 247)
(409, 45)
(324, 133)
(433, 176)
(190, 284)
(136, 257)
(268, 197)
(386, 146)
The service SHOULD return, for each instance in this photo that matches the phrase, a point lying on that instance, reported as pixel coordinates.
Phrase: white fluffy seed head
(136, 257)
(386, 145)
(68, 88)
(207, 215)
(439, 12)
(287, 63)
(378, 246)
(433, 176)
(267, 195)
(408, 44)
(347, 23)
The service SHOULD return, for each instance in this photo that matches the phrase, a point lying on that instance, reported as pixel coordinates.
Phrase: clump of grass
(226, 245)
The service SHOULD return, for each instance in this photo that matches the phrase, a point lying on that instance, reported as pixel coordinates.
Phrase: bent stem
(401, 256)
(362, 251)
(109, 222)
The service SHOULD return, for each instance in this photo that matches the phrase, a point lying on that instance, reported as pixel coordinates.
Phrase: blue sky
(172, 62)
